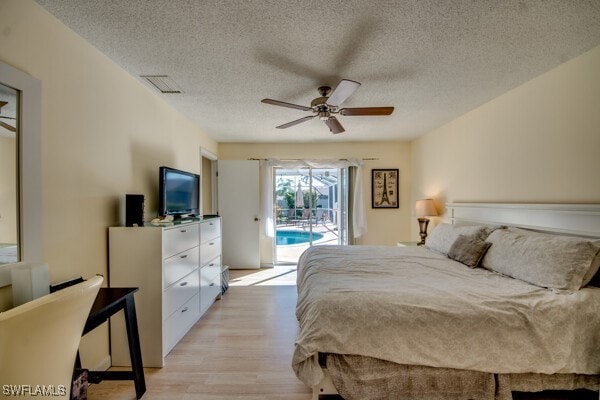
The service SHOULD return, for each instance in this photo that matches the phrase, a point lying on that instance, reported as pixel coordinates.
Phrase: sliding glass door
(311, 209)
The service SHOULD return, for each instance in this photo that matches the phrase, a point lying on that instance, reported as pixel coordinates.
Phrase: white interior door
(239, 205)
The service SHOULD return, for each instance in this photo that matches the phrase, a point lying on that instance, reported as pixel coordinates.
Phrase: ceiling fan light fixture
(324, 115)
(324, 107)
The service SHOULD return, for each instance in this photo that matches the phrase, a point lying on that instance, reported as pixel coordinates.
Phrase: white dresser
(177, 269)
(210, 263)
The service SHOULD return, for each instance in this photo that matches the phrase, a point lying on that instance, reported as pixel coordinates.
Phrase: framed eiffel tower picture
(384, 188)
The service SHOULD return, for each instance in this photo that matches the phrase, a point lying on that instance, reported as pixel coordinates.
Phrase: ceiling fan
(326, 106)
(4, 124)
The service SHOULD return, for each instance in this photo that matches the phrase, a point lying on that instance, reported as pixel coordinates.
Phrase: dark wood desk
(108, 302)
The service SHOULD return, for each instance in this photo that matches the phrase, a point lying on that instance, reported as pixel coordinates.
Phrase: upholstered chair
(39, 341)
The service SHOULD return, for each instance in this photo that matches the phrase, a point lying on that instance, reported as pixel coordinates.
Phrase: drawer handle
(183, 284)
(183, 231)
(211, 244)
(183, 256)
(211, 264)
(210, 223)
(184, 310)
(212, 284)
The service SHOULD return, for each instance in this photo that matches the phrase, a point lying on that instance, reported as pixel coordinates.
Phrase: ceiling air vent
(162, 83)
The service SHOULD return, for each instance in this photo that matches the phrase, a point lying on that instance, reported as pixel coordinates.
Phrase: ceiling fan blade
(3, 103)
(7, 126)
(284, 104)
(367, 111)
(343, 90)
(296, 122)
(6, 117)
(334, 125)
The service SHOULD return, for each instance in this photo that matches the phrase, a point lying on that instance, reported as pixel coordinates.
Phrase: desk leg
(134, 347)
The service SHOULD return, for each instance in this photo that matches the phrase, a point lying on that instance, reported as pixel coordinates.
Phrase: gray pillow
(551, 261)
(592, 277)
(468, 250)
(591, 272)
(443, 236)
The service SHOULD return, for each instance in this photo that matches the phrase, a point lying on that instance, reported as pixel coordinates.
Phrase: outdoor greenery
(287, 190)
(306, 196)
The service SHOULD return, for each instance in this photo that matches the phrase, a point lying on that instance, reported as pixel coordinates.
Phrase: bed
(418, 322)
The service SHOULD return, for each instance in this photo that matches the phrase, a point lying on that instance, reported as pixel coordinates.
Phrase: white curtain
(359, 214)
(266, 196)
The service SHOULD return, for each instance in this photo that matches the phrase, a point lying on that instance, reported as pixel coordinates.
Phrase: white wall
(104, 134)
(536, 143)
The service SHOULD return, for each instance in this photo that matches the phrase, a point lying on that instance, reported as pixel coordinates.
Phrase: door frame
(342, 210)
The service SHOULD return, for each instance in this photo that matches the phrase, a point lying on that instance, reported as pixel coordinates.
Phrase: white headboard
(574, 219)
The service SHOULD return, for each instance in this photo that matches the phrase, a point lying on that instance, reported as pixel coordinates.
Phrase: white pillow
(443, 236)
(551, 261)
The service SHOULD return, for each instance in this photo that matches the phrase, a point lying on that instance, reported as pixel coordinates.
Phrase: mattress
(411, 306)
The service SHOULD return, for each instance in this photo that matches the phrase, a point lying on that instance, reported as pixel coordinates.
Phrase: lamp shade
(425, 207)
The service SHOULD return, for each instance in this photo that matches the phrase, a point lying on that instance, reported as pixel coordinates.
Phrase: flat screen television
(179, 193)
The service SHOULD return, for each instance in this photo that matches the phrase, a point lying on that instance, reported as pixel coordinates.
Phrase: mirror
(9, 184)
(29, 247)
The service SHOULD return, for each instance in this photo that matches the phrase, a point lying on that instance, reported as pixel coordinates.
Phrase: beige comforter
(412, 306)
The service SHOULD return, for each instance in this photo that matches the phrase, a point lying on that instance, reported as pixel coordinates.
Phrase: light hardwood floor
(241, 349)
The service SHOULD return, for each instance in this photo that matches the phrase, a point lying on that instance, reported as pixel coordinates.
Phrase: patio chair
(306, 216)
(320, 216)
(282, 217)
(291, 216)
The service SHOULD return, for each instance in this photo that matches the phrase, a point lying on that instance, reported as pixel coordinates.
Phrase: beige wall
(104, 134)
(385, 226)
(537, 143)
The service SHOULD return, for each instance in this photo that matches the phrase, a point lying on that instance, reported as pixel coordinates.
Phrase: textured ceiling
(432, 60)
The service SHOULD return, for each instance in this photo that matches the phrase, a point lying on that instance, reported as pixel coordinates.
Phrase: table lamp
(424, 208)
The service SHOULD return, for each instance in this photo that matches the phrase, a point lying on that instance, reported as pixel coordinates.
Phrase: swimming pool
(287, 237)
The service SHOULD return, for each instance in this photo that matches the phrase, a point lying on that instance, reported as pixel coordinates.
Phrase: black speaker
(134, 209)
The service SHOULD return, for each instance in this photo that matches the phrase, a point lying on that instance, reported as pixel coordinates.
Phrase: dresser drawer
(179, 265)
(177, 325)
(210, 230)
(180, 238)
(180, 292)
(211, 270)
(210, 250)
(209, 290)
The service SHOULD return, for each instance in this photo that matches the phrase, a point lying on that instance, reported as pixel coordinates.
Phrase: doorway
(311, 209)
